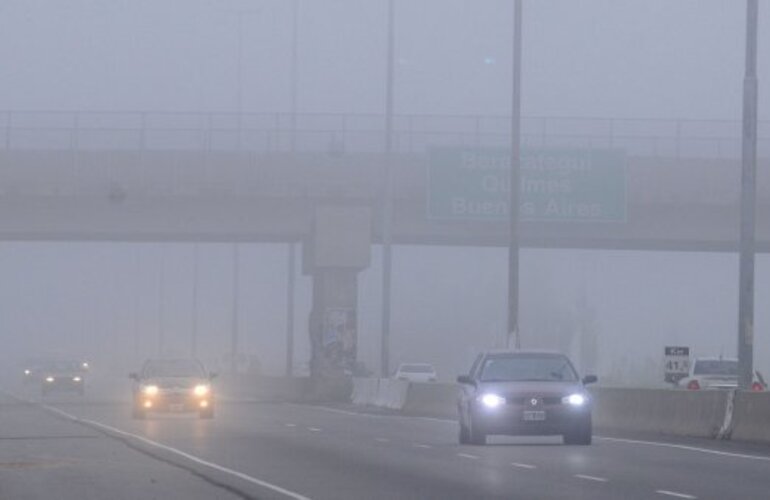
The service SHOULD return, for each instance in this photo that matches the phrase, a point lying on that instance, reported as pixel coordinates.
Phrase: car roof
(514, 352)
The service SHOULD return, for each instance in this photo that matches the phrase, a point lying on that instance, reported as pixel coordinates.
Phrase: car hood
(174, 382)
(531, 388)
(60, 374)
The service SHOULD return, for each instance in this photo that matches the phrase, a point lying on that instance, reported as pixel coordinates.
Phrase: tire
(475, 436)
(581, 435)
(464, 437)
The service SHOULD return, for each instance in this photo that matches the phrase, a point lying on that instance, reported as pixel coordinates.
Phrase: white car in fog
(416, 372)
(717, 373)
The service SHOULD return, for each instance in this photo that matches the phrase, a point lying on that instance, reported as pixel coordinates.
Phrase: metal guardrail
(339, 133)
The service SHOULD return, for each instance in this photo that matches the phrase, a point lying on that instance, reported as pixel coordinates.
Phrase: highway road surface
(67, 447)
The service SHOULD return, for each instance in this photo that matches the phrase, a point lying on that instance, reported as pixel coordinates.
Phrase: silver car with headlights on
(524, 393)
(173, 385)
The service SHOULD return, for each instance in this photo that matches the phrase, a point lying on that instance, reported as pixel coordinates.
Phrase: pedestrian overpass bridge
(318, 180)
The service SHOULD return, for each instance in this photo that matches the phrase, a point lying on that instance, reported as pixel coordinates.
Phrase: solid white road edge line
(675, 494)
(523, 466)
(465, 455)
(192, 458)
(685, 447)
(591, 478)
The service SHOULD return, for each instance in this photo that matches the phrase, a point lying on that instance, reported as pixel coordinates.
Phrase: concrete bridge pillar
(338, 248)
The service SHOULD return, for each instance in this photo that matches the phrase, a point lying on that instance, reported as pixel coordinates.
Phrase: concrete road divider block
(751, 417)
(365, 391)
(663, 411)
(432, 399)
(391, 393)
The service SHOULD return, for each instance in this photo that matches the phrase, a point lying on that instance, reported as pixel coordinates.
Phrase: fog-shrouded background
(590, 58)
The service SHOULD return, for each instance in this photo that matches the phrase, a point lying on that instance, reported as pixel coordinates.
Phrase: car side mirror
(133, 376)
(590, 379)
(466, 380)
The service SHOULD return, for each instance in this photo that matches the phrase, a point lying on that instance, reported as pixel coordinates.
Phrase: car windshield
(61, 366)
(727, 367)
(416, 368)
(173, 368)
(528, 367)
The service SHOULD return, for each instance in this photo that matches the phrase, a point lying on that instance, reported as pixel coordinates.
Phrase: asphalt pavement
(279, 450)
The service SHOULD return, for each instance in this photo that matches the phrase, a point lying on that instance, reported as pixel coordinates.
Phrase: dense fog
(612, 310)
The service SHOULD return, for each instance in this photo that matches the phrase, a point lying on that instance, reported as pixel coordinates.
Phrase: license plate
(534, 416)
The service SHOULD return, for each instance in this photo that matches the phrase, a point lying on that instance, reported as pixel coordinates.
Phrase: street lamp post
(514, 335)
(194, 333)
(748, 203)
(293, 76)
(234, 333)
(387, 196)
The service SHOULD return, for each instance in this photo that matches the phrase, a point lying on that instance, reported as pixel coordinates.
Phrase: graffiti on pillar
(338, 338)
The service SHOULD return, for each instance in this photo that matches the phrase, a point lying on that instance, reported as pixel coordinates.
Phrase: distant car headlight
(49, 379)
(27, 372)
(201, 390)
(574, 400)
(491, 400)
(76, 379)
(150, 390)
(84, 365)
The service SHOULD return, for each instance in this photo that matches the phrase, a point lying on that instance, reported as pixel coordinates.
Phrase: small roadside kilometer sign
(676, 363)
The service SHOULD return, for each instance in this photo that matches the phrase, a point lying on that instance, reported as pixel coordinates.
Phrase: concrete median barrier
(751, 417)
(432, 399)
(391, 393)
(365, 391)
(661, 411)
(709, 414)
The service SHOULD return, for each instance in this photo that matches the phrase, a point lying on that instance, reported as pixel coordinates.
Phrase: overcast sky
(607, 58)
(597, 58)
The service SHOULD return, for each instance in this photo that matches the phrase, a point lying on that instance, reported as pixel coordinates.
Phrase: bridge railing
(339, 133)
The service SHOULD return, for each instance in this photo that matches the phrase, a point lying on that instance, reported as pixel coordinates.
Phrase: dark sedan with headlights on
(61, 376)
(528, 393)
(173, 385)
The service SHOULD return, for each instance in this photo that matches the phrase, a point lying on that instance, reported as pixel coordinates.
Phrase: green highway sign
(556, 184)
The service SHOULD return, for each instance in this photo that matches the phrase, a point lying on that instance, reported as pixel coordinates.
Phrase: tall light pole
(514, 336)
(161, 305)
(293, 76)
(194, 333)
(234, 333)
(748, 203)
(291, 271)
(387, 196)
(239, 84)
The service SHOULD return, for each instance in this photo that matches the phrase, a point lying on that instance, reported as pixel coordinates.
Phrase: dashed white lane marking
(314, 429)
(192, 458)
(591, 478)
(687, 448)
(374, 415)
(424, 446)
(675, 494)
(523, 466)
(382, 440)
(290, 425)
(470, 457)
